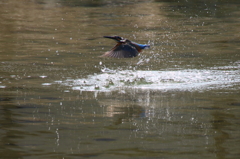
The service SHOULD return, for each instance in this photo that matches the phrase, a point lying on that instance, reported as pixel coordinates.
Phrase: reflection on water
(179, 99)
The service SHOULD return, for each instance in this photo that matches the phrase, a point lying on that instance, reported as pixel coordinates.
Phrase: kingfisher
(124, 48)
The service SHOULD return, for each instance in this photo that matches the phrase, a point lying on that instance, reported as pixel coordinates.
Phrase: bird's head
(117, 38)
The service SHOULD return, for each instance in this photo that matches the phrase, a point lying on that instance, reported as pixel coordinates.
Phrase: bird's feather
(122, 50)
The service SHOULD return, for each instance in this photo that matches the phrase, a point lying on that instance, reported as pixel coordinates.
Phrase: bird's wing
(136, 46)
(122, 50)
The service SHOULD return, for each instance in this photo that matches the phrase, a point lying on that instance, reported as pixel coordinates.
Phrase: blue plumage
(124, 48)
(142, 46)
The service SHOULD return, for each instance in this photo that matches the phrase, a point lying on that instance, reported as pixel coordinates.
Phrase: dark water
(179, 99)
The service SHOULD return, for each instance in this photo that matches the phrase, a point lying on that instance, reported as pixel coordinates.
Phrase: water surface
(178, 99)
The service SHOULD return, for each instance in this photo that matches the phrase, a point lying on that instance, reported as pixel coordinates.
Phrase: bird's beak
(117, 38)
(110, 37)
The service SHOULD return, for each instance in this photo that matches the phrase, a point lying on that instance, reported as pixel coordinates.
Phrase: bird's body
(124, 48)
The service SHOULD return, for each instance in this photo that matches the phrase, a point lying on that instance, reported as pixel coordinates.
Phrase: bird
(124, 48)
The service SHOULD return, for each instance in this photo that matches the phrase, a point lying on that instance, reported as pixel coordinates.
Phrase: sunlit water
(178, 99)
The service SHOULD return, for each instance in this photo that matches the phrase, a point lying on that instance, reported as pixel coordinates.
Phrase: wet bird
(124, 48)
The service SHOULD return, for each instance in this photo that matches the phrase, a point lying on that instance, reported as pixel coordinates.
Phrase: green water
(178, 99)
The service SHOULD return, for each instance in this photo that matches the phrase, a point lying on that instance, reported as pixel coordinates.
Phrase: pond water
(178, 99)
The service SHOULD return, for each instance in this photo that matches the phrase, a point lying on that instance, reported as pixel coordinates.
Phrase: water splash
(190, 79)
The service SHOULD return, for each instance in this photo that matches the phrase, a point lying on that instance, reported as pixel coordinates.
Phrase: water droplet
(96, 87)
(46, 84)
